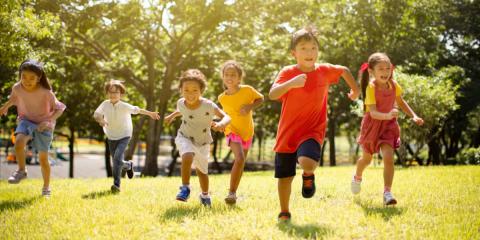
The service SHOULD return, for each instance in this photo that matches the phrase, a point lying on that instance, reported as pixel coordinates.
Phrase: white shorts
(201, 154)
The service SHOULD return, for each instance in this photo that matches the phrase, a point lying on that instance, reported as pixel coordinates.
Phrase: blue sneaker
(184, 193)
(205, 200)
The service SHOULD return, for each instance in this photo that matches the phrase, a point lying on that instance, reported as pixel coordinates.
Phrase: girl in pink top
(379, 129)
(38, 109)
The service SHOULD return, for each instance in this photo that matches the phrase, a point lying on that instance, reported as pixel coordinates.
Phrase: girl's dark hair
(193, 75)
(37, 68)
(305, 34)
(117, 84)
(364, 76)
(233, 64)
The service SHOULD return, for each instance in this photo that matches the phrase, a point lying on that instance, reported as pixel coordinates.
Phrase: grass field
(434, 203)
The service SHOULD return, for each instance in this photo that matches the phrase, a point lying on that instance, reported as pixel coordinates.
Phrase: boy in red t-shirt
(303, 90)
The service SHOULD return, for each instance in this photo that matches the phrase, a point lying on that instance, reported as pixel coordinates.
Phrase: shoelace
(308, 183)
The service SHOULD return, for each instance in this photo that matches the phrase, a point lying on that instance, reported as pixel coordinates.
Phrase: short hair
(193, 75)
(305, 34)
(117, 84)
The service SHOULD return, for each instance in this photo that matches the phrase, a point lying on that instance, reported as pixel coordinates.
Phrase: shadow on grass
(308, 231)
(98, 194)
(385, 212)
(16, 204)
(179, 212)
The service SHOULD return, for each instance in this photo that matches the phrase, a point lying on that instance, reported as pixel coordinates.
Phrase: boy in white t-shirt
(114, 116)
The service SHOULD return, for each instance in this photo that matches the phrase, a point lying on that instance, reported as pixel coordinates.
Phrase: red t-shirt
(304, 110)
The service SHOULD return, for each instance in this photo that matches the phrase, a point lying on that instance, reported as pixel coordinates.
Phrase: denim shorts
(41, 141)
(286, 163)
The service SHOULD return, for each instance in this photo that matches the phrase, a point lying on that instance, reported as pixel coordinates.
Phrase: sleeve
(370, 95)
(132, 109)
(398, 89)
(99, 110)
(334, 72)
(254, 93)
(282, 77)
(14, 95)
(55, 104)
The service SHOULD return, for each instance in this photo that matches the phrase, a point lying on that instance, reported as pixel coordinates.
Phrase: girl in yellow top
(238, 101)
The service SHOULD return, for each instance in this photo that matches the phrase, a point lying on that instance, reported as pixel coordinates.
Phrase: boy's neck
(233, 90)
(306, 69)
(114, 101)
(194, 105)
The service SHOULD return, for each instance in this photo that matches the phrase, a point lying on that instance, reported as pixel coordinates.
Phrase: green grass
(434, 203)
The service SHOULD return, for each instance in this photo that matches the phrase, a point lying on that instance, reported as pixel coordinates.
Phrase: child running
(379, 129)
(303, 90)
(38, 110)
(194, 136)
(114, 116)
(238, 101)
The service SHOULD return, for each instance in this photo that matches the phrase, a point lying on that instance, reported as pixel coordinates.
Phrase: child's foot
(231, 198)
(205, 200)
(284, 217)
(356, 185)
(389, 199)
(308, 187)
(46, 192)
(115, 188)
(130, 170)
(184, 193)
(17, 176)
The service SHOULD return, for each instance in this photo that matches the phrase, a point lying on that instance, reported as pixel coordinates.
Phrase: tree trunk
(108, 164)
(331, 139)
(135, 137)
(71, 142)
(434, 151)
(174, 154)
(322, 153)
(214, 151)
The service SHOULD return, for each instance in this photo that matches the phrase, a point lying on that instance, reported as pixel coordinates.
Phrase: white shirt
(118, 117)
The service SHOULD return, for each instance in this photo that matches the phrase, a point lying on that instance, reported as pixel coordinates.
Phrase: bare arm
(5, 107)
(407, 110)
(348, 77)
(278, 89)
(249, 107)
(225, 120)
(169, 119)
(153, 115)
(375, 114)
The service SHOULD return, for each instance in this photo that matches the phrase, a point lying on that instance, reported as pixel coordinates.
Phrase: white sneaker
(231, 198)
(46, 192)
(356, 186)
(389, 199)
(17, 176)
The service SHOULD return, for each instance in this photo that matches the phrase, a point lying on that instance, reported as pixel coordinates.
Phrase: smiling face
(231, 78)
(114, 94)
(29, 80)
(306, 54)
(382, 71)
(191, 91)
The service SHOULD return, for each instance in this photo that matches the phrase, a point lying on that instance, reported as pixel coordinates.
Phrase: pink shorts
(232, 137)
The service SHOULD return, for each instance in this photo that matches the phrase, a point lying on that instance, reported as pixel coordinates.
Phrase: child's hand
(417, 120)
(298, 81)
(103, 123)
(353, 95)
(3, 111)
(43, 126)
(218, 127)
(245, 109)
(154, 115)
(393, 114)
(169, 119)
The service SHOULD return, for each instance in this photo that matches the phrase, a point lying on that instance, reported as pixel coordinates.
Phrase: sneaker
(17, 176)
(231, 198)
(115, 188)
(308, 186)
(356, 185)
(284, 217)
(130, 170)
(389, 199)
(205, 200)
(184, 193)
(46, 192)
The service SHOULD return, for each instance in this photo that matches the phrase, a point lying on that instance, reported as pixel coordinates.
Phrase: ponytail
(364, 79)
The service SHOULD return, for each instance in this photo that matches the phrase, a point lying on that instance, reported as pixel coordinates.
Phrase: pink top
(37, 106)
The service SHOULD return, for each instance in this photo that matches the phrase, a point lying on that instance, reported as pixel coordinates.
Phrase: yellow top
(241, 125)
(370, 94)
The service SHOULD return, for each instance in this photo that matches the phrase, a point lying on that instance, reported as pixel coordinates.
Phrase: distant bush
(469, 156)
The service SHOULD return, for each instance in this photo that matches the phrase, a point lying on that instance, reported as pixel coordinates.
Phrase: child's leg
(388, 168)
(308, 165)
(238, 165)
(45, 165)
(116, 160)
(187, 160)
(20, 143)
(203, 179)
(362, 163)
(284, 191)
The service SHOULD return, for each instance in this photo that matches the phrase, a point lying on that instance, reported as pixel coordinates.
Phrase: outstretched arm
(5, 107)
(153, 115)
(348, 77)
(169, 119)
(278, 89)
(225, 120)
(407, 110)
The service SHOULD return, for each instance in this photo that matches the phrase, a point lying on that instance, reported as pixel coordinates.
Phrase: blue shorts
(41, 141)
(286, 163)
